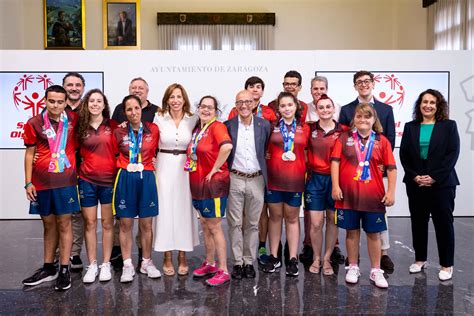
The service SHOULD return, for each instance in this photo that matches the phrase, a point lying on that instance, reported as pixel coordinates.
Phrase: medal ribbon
(191, 165)
(135, 144)
(288, 135)
(259, 110)
(363, 157)
(57, 143)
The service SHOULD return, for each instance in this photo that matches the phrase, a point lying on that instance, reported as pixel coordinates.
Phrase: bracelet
(29, 184)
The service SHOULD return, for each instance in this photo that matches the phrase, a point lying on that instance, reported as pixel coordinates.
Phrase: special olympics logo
(389, 89)
(28, 93)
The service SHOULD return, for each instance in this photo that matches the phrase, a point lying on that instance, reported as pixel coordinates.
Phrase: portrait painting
(64, 24)
(121, 24)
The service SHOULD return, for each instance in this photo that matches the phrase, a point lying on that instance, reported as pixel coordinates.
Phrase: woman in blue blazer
(429, 151)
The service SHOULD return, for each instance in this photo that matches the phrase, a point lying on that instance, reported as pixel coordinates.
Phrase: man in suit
(364, 85)
(248, 176)
(124, 30)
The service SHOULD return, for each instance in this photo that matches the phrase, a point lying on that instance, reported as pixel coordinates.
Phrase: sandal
(327, 268)
(315, 267)
(168, 268)
(183, 268)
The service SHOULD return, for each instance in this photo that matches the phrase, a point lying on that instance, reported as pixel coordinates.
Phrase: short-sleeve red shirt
(98, 151)
(360, 196)
(320, 147)
(267, 113)
(287, 176)
(151, 137)
(207, 151)
(34, 136)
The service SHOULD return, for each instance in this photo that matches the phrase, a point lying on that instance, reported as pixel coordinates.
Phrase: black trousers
(439, 202)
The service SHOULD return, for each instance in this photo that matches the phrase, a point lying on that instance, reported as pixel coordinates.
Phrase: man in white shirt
(248, 176)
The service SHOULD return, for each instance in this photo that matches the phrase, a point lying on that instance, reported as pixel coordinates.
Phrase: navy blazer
(261, 134)
(384, 113)
(443, 153)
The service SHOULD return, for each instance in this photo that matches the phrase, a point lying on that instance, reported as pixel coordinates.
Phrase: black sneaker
(64, 280)
(336, 256)
(116, 259)
(306, 256)
(292, 267)
(41, 275)
(386, 263)
(76, 263)
(249, 271)
(272, 265)
(237, 272)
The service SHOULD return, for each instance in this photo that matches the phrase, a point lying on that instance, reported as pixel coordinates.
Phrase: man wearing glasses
(292, 84)
(364, 85)
(248, 176)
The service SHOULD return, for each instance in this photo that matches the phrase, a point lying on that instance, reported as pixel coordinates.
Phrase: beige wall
(300, 24)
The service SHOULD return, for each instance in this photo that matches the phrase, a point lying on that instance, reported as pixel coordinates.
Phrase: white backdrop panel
(222, 74)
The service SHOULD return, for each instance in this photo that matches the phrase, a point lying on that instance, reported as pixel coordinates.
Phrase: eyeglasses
(206, 107)
(242, 102)
(290, 84)
(366, 82)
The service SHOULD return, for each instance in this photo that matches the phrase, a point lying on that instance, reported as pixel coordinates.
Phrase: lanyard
(259, 110)
(57, 143)
(135, 144)
(198, 134)
(288, 135)
(363, 156)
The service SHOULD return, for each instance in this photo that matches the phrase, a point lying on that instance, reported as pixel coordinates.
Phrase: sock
(262, 244)
(64, 268)
(49, 266)
(127, 262)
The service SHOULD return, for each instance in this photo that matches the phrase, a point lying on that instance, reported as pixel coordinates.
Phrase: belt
(174, 151)
(246, 175)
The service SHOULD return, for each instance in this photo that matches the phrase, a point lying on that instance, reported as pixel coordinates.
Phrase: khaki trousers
(244, 206)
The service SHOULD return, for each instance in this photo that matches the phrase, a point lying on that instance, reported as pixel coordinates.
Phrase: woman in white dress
(177, 225)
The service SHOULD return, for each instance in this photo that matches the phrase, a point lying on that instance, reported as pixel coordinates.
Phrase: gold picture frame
(64, 24)
(121, 24)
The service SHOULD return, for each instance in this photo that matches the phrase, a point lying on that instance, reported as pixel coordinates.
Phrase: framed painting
(64, 24)
(121, 24)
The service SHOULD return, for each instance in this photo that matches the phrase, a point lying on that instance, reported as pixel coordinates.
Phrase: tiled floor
(268, 294)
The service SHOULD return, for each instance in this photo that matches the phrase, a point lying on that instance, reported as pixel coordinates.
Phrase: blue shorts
(91, 193)
(60, 201)
(372, 222)
(135, 194)
(211, 208)
(317, 195)
(290, 198)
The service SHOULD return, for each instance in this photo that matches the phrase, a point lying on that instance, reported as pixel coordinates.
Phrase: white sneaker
(415, 268)
(128, 272)
(91, 273)
(444, 275)
(353, 274)
(376, 276)
(147, 267)
(105, 274)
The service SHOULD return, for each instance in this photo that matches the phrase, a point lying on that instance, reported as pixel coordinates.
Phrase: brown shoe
(183, 268)
(168, 268)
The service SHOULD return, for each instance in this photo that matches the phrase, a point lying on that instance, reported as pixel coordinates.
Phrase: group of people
(256, 168)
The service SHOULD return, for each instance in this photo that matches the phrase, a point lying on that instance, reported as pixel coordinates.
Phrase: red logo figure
(28, 92)
(389, 89)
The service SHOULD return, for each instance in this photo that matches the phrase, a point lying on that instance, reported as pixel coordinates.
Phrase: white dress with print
(176, 226)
